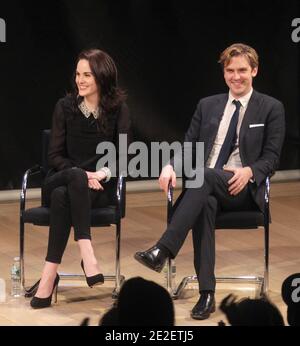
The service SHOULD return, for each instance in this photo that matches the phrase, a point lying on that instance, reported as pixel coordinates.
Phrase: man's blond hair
(239, 49)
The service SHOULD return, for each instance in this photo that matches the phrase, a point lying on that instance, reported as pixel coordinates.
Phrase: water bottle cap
(17, 258)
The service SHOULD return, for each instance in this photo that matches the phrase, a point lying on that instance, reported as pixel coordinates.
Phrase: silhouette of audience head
(110, 318)
(251, 312)
(141, 303)
(290, 293)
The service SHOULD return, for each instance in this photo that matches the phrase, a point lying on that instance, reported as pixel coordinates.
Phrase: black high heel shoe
(40, 303)
(30, 292)
(94, 280)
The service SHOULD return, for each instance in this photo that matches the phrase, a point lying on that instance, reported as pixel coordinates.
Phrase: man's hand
(94, 184)
(240, 179)
(167, 174)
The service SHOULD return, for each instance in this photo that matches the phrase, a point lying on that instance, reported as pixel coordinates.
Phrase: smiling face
(238, 75)
(85, 80)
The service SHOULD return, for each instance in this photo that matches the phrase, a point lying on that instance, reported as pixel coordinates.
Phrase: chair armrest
(267, 199)
(121, 195)
(31, 171)
(267, 190)
(169, 202)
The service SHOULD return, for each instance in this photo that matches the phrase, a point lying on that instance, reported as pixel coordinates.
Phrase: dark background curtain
(166, 53)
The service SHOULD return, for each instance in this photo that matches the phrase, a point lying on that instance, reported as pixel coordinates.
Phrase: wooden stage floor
(238, 253)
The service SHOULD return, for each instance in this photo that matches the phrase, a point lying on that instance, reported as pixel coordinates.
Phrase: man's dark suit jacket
(259, 146)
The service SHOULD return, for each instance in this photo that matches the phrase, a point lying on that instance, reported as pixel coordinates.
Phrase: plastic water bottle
(2, 291)
(16, 278)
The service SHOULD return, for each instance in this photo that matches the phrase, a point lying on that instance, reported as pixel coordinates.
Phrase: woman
(94, 112)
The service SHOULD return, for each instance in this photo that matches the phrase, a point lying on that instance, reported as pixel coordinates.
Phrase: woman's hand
(99, 175)
(94, 184)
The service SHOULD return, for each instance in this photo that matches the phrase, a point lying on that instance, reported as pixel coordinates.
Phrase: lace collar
(82, 106)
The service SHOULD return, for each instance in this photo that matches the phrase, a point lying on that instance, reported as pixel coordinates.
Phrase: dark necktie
(230, 138)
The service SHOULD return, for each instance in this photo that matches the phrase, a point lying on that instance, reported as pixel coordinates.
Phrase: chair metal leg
(170, 281)
(266, 255)
(170, 262)
(22, 274)
(119, 279)
(180, 288)
(22, 256)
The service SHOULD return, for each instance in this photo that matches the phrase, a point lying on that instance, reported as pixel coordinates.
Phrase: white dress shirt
(234, 159)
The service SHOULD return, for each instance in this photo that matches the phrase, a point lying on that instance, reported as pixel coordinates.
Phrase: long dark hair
(105, 73)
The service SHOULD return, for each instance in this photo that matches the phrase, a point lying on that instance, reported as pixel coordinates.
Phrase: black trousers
(196, 209)
(70, 200)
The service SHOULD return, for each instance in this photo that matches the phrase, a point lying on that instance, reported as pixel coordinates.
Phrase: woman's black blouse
(74, 138)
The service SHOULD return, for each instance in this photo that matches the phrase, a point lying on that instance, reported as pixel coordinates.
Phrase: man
(243, 133)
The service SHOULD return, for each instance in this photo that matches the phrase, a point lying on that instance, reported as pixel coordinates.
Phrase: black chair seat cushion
(99, 217)
(239, 220)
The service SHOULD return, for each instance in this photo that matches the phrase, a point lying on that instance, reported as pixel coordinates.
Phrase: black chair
(100, 217)
(243, 220)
